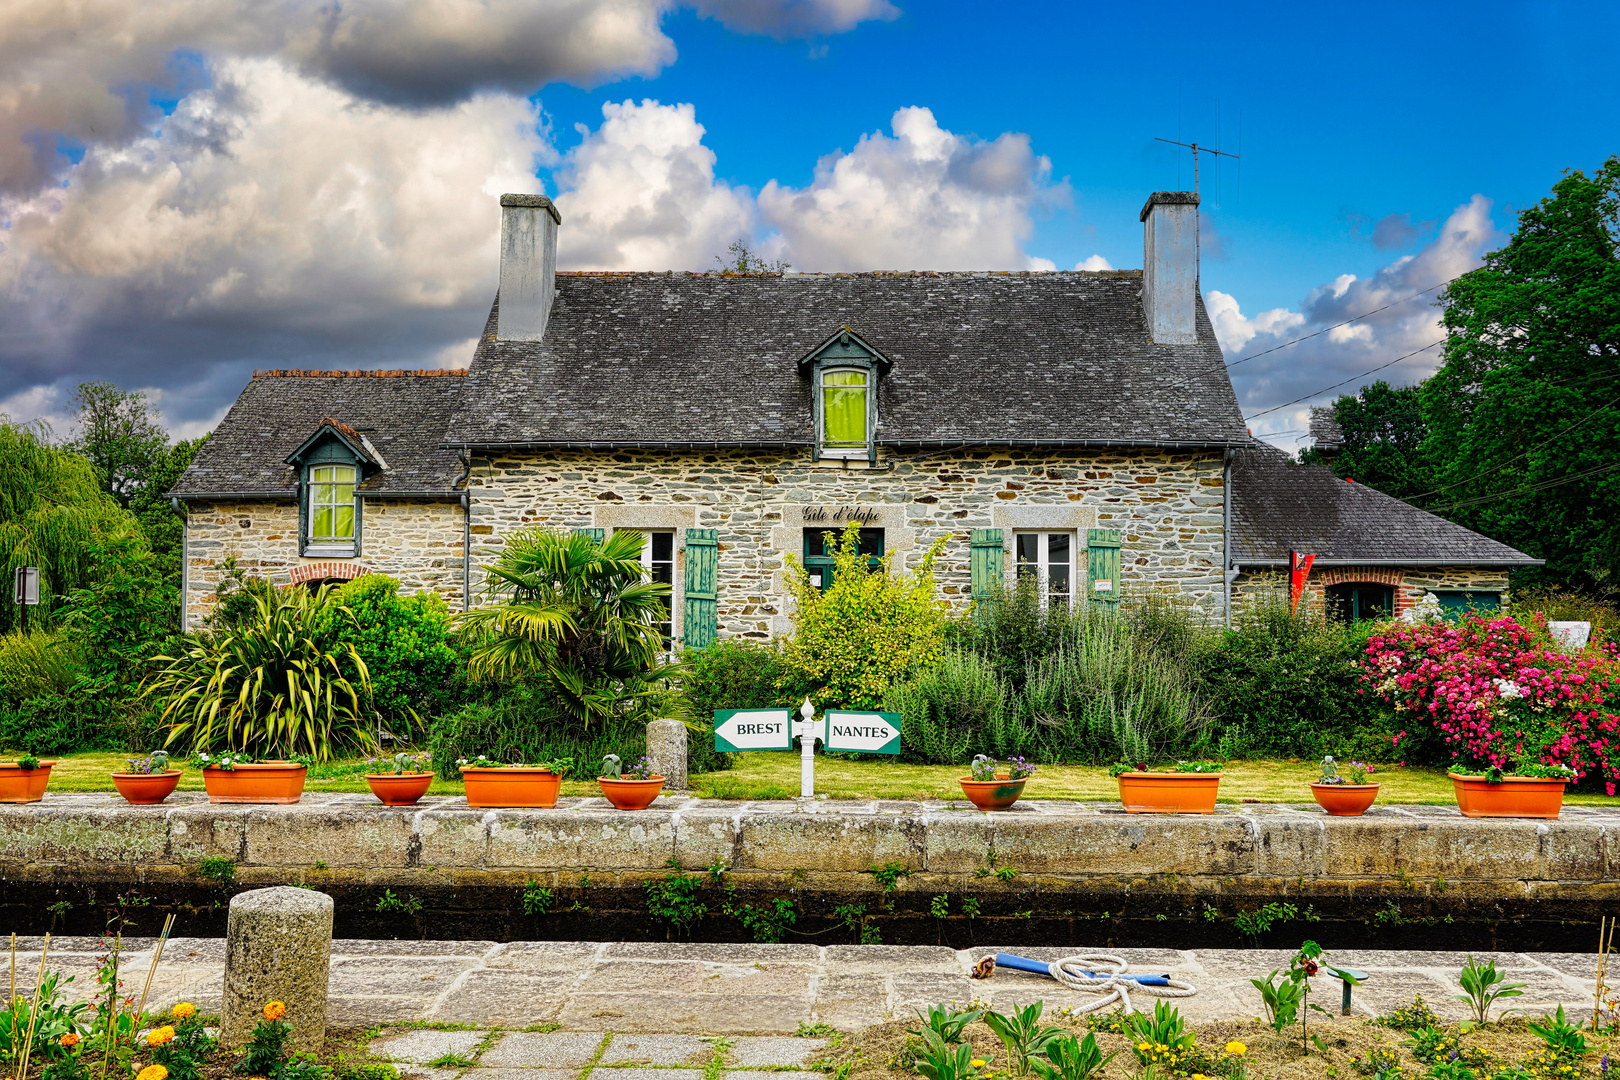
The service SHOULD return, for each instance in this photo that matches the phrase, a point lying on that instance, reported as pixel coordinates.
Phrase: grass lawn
(775, 775)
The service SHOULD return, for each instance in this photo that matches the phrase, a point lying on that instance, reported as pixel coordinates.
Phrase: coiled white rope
(1100, 973)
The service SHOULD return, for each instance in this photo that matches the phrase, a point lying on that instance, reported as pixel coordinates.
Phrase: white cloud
(1096, 262)
(1349, 354)
(796, 18)
(924, 198)
(639, 193)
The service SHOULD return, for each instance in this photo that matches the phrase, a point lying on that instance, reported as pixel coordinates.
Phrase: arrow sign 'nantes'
(863, 732)
(752, 729)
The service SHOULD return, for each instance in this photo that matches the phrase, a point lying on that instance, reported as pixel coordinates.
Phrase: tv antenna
(1196, 150)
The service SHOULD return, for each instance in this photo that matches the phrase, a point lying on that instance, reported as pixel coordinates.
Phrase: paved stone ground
(590, 989)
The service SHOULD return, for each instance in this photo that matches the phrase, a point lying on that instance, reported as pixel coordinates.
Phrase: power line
(1504, 464)
(1542, 486)
(1346, 322)
(1351, 379)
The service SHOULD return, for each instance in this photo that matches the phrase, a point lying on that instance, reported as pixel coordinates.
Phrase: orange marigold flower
(275, 1010)
(153, 1072)
(185, 1009)
(159, 1036)
(71, 1039)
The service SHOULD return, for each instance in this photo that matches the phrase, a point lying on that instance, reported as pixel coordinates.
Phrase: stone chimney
(528, 266)
(1170, 266)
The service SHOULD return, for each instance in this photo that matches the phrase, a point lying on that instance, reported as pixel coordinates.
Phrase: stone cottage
(1078, 428)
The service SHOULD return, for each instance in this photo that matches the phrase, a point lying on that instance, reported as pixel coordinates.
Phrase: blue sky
(236, 190)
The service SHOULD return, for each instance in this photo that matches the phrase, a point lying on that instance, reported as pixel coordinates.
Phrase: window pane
(1057, 548)
(323, 474)
(843, 408)
(342, 493)
(1057, 579)
(663, 547)
(343, 520)
(1029, 547)
(322, 526)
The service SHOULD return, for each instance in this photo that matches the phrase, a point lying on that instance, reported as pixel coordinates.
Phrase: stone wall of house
(1168, 507)
(418, 543)
(1410, 583)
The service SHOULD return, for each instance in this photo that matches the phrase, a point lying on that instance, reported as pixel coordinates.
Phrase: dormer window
(844, 408)
(331, 504)
(844, 372)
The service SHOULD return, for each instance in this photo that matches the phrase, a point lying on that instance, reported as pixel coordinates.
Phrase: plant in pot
(1346, 794)
(148, 781)
(402, 779)
(24, 780)
(1187, 787)
(632, 788)
(492, 783)
(237, 778)
(1531, 790)
(990, 786)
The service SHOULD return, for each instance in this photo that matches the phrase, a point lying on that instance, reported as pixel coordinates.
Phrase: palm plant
(578, 614)
(268, 685)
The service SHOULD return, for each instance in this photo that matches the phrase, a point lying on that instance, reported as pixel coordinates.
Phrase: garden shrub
(1287, 684)
(522, 723)
(734, 673)
(954, 708)
(404, 642)
(1499, 696)
(52, 724)
(870, 627)
(38, 711)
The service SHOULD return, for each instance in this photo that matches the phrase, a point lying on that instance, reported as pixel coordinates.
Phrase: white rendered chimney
(1170, 266)
(528, 266)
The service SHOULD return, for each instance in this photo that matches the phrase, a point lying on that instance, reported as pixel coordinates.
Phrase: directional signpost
(863, 732)
(752, 729)
(775, 729)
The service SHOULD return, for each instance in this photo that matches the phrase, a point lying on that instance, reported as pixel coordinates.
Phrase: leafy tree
(150, 505)
(119, 437)
(52, 514)
(578, 615)
(740, 259)
(868, 629)
(404, 641)
(1524, 414)
(1383, 440)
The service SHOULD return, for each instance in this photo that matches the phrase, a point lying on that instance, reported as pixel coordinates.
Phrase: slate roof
(403, 414)
(1278, 505)
(688, 359)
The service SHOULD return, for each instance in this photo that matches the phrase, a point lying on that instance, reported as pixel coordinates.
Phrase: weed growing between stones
(216, 868)
(673, 898)
(537, 900)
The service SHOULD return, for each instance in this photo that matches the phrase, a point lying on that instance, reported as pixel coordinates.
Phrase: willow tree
(52, 510)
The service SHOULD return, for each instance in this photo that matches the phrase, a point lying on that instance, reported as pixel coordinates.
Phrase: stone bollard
(666, 750)
(278, 948)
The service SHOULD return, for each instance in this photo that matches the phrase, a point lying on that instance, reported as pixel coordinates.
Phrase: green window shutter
(596, 535)
(702, 616)
(987, 551)
(1102, 565)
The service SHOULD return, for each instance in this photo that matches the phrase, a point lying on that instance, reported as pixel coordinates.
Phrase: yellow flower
(275, 1010)
(185, 1009)
(1144, 1046)
(159, 1036)
(153, 1072)
(977, 1063)
(1235, 1047)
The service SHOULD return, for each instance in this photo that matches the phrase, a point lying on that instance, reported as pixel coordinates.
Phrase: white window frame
(1043, 563)
(672, 562)
(844, 453)
(342, 546)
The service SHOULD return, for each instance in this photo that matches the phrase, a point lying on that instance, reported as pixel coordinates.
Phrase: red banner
(1299, 568)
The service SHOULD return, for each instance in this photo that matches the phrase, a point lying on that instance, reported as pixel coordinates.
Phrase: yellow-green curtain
(332, 495)
(843, 408)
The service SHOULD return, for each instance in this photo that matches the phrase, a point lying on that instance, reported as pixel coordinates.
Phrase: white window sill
(827, 461)
(328, 551)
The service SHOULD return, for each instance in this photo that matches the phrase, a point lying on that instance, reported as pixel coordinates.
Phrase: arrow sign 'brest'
(752, 729)
(863, 732)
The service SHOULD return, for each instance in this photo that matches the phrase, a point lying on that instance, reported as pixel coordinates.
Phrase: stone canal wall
(1057, 871)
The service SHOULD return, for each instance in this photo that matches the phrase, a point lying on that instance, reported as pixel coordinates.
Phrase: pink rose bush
(1499, 694)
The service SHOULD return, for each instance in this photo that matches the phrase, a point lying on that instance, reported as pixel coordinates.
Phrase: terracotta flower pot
(399, 789)
(20, 785)
(631, 794)
(146, 789)
(1168, 793)
(1515, 796)
(494, 786)
(279, 782)
(1345, 800)
(995, 794)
